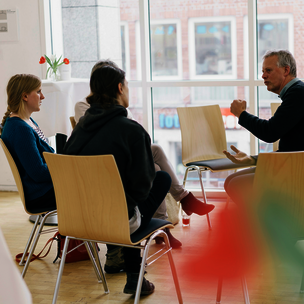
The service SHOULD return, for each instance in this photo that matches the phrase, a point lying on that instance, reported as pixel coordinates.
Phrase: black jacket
(109, 131)
(287, 124)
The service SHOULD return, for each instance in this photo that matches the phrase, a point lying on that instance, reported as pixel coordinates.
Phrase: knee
(157, 150)
(156, 147)
(227, 181)
(157, 167)
(164, 177)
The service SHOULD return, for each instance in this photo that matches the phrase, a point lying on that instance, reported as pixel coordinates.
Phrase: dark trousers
(159, 190)
(46, 202)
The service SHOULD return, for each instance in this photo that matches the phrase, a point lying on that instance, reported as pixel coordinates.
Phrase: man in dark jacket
(287, 124)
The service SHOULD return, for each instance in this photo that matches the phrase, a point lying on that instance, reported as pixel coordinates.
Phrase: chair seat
(217, 164)
(142, 233)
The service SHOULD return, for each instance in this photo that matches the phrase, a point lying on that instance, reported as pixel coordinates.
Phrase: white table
(58, 105)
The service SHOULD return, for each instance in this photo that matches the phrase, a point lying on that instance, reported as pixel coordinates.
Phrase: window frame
(127, 46)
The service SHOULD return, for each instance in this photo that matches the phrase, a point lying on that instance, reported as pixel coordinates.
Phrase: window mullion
(252, 55)
(145, 64)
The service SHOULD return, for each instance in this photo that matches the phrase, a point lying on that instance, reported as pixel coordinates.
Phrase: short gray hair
(285, 58)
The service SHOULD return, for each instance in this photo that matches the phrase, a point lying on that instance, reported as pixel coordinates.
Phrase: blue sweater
(26, 148)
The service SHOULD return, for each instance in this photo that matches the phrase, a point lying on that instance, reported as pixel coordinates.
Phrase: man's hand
(237, 107)
(240, 157)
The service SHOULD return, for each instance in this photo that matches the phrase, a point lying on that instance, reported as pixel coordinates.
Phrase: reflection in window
(213, 48)
(273, 34)
(164, 50)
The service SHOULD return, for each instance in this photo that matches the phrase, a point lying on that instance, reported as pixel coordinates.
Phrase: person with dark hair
(105, 129)
(287, 124)
(190, 204)
(188, 201)
(26, 142)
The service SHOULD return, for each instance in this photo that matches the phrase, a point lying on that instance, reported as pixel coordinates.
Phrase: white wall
(18, 57)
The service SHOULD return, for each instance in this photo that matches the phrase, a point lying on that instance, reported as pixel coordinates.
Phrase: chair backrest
(274, 106)
(90, 197)
(278, 183)
(15, 172)
(73, 121)
(203, 133)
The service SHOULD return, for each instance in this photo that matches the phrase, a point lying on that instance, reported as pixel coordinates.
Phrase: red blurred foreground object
(232, 251)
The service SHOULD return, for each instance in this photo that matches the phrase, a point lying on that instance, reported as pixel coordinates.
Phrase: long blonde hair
(16, 87)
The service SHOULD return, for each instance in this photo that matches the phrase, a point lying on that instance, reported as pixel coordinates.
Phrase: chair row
(66, 196)
(86, 188)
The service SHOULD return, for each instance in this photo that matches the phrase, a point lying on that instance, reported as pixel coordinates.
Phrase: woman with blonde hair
(26, 142)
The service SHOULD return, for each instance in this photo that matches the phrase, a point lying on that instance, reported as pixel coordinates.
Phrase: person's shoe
(132, 279)
(191, 204)
(159, 240)
(115, 261)
(174, 243)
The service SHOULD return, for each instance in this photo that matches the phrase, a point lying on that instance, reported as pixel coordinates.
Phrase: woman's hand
(240, 157)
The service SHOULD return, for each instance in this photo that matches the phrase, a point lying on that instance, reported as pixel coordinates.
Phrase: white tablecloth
(58, 105)
(13, 289)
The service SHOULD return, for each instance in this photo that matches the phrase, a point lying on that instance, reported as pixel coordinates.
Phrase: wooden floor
(79, 284)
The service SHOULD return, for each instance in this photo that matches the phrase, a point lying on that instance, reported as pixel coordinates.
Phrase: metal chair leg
(204, 195)
(245, 291)
(185, 176)
(103, 277)
(219, 291)
(28, 244)
(173, 270)
(143, 267)
(198, 170)
(62, 262)
(141, 273)
(93, 260)
(96, 263)
(36, 241)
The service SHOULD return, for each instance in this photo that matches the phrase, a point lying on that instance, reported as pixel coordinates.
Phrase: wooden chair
(274, 106)
(203, 142)
(73, 121)
(40, 219)
(278, 200)
(92, 207)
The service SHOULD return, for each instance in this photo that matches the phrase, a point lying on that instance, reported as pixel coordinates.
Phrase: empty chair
(203, 142)
(92, 207)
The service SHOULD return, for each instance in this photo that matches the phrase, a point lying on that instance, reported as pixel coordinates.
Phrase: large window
(181, 53)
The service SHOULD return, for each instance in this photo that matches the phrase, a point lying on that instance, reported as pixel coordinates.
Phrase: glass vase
(54, 75)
